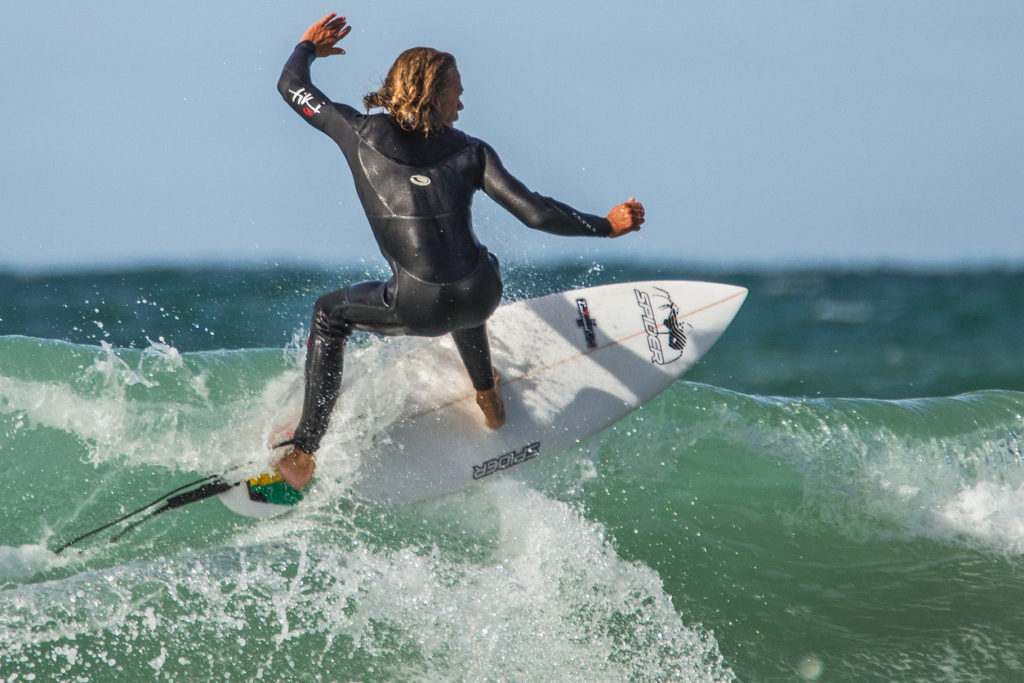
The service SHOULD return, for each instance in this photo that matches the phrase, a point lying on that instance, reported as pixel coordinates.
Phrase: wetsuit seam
(481, 260)
(416, 167)
(394, 216)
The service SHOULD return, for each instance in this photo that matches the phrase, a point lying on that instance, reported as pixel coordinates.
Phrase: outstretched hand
(326, 33)
(626, 217)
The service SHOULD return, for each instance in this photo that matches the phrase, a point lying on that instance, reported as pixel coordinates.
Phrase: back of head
(412, 89)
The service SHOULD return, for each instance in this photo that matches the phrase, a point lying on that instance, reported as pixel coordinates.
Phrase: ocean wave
(624, 551)
(949, 469)
(505, 585)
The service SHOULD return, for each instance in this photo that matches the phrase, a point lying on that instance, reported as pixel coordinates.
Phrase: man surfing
(415, 175)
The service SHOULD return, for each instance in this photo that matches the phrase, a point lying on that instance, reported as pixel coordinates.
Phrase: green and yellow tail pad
(271, 488)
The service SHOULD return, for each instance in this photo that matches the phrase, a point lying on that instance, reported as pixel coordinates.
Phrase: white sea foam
(958, 501)
(945, 469)
(988, 513)
(506, 584)
(497, 582)
(24, 562)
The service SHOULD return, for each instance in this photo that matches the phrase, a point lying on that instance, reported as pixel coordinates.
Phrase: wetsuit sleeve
(533, 209)
(297, 89)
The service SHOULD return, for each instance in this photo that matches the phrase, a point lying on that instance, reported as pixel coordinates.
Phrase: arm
(295, 83)
(543, 213)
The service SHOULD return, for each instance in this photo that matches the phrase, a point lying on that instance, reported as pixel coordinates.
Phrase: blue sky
(768, 133)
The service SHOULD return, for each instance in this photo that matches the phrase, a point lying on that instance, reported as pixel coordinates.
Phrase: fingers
(626, 217)
(332, 20)
(334, 25)
(326, 33)
(636, 211)
(338, 30)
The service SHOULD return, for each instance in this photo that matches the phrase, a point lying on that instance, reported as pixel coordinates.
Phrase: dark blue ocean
(835, 493)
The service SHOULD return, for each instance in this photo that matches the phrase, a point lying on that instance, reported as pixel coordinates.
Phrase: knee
(329, 318)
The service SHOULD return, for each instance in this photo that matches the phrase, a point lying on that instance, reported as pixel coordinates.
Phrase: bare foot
(296, 467)
(492, 404)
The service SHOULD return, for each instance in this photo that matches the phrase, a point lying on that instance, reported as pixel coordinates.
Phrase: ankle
(491, 403)
(296, 467)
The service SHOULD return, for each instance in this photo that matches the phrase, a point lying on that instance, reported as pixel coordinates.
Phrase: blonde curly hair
(412, 88)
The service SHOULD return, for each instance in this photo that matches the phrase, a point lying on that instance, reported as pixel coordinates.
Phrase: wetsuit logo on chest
(420, 180)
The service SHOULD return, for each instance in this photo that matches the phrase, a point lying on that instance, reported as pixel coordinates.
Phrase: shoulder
(453, 142)
(470, 141)
(372, 126)
(481, 149)
(454, 139)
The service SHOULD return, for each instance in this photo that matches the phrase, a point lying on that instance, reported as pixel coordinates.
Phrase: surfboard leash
(205, 488)
(203, 492)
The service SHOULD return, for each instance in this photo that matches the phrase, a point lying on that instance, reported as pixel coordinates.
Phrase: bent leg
(335, 317)
(325, 351)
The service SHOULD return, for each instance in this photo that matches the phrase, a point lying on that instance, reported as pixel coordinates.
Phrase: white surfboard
(570, 363)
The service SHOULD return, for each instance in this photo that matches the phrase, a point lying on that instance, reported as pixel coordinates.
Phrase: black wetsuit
(416, 191)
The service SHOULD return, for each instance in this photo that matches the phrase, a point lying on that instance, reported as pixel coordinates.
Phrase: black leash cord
(143, 509)
(205, 491)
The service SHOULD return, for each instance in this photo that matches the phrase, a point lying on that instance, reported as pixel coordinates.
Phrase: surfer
(415, 175)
